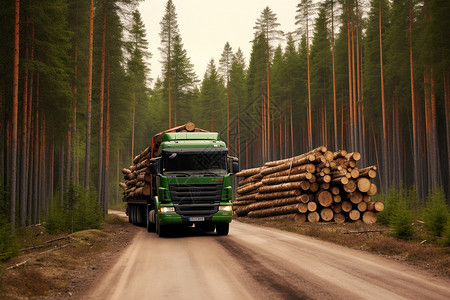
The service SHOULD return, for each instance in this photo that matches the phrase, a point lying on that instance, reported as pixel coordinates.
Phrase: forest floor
(64, 267)
(68, 266)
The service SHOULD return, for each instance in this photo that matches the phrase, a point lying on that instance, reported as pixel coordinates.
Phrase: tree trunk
(383, 111)
(101, 100)
(107, 144)
(89, 95)
(14, 119)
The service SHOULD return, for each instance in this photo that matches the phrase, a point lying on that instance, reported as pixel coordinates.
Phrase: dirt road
(257, 263)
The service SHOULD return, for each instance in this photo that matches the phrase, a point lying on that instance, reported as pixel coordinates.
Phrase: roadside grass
(376, 238)
(54, 268)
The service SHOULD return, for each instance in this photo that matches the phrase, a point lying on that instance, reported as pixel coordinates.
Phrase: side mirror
(234, 164)
(154, 166)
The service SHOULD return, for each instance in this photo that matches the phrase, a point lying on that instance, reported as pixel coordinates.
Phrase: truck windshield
(194, 164)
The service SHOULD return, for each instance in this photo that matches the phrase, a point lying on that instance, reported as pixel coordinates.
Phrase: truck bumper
(174, 218)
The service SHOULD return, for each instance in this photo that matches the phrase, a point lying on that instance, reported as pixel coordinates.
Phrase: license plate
(197, 219)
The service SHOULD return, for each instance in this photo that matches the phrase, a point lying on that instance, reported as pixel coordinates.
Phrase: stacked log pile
(319, 185)
(137, 177)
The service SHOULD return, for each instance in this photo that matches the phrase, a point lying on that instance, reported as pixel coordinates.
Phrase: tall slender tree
(89, 96)
(225, 69)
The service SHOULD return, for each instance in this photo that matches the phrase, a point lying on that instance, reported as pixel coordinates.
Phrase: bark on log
(242, 203)
(340, 153)
(325, 186)
(288, 178)
(367, 198)
(123, 185)
(369, 217)
(321, 149)
(304, 185)
(248, 180)
(275, 203)
(340, 180)
(274, 211)
(326, 214)
(278, 195)
(288, 165)
(246, 197)
(370, 172)
(248, 172)
(125, 171)
(308, 168)
(249, 187)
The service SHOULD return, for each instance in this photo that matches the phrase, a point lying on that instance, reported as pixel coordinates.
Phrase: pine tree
(225, 69)
(169, 32)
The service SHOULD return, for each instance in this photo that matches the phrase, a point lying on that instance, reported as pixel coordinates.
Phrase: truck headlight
(165, 209)
(225, 208)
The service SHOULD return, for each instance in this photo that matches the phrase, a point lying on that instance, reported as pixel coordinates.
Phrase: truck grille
(192, 199)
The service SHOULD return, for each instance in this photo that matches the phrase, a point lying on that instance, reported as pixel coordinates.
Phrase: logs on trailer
(315, 186)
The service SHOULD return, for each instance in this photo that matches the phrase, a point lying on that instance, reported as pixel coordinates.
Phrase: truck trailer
(187, 180)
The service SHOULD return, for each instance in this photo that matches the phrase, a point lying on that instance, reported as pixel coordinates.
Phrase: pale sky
(206, 25)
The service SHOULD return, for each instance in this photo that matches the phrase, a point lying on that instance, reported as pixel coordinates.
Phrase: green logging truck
(183, 178)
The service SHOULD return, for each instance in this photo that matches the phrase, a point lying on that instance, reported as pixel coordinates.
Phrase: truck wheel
(161, 230)
(150, 226)
(222, 228)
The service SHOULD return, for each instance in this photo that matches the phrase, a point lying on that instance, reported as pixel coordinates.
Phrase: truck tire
(150, 226)
(161, 230)
(222, 228)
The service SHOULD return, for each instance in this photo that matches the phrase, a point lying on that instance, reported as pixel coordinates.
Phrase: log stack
(319, 185)
(137, 177)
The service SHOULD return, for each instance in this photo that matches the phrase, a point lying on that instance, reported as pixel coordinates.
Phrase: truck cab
(191, 183)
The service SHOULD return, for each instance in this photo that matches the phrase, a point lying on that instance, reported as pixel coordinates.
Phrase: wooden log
(367, 198)
(339, 218)
(354, 173)
(346, 206)
(362, 206)
(325, 186)
(139, 183)
(241, 211)
(321, 149)
(300, 218)
(340, 153)
(339, 180)
(278, 195)
(146, 190)
(139, 192)
(274, 203)
(372, 190)
(337, 198)
(139, 157)
(246, 197)
(377, 206)
(143, 164)
(363, 184)
(288, 165)
(313, 217)
(308, 168)
(140, 176)
(354, 215)
(248, 180)
(354, 155)
(274, 211)
(325, 178)
(123, 185)
(335, 190)
(248, 172)
(288, 178)
(125, 171)
(337, 208)
(328, 155)
(189, 126)
(148, 177)
(296, 217)
(369, 217)
(245, 202)
(369, 172)
(355, 197)
(312, 206)
(324, 198)
(249, 187)
(350, 187)
(304, 185)
(302, 207)
(326, 214)
(314, 187)
(131, 182)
